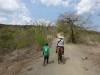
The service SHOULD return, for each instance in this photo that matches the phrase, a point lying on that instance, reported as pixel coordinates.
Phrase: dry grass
(12, 64)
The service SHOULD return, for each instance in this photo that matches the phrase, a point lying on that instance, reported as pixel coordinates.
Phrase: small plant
(40, 37)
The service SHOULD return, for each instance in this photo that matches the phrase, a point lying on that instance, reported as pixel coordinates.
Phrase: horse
(60, 53)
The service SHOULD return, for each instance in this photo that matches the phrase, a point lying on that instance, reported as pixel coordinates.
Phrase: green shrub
(7, 43)
(40, 36)
(24, 38)
(16, 37)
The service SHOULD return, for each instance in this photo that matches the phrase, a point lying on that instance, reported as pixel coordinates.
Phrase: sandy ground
(79, 60)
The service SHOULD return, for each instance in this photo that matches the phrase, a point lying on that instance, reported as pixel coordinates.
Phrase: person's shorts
(46, 57)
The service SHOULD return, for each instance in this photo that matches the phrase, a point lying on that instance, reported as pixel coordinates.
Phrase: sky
(28, 11)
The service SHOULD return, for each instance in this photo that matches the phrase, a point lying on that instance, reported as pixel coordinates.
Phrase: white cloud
(90, 8)
(65, 3)
(21, 20)
(9, 5)
(3, 19)
(14, 12)
(86, 6)
(52, 2)
(43, 21)
(22, 16)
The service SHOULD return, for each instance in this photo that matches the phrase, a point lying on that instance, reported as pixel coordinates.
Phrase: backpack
(59, 42)
(46, 51)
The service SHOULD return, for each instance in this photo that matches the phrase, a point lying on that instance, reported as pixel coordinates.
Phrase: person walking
(46, 53)
(60, 48)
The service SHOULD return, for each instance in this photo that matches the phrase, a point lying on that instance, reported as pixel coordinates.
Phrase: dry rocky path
(79, 60)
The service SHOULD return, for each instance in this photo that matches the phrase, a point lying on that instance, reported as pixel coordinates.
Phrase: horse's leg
(61, 58)
(58, 58)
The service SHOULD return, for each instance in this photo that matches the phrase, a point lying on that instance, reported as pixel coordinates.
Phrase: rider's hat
(60, 36)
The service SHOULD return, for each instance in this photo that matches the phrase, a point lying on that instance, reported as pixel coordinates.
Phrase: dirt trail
(78, 62)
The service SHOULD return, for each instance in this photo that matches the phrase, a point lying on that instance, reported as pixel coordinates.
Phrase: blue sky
(42, 11)
(27, 11)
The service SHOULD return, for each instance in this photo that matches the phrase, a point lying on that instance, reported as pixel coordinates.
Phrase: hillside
(20, 47)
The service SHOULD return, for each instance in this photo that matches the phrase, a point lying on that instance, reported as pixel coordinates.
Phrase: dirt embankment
(13, 63)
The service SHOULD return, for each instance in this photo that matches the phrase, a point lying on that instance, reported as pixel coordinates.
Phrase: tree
(69, 23)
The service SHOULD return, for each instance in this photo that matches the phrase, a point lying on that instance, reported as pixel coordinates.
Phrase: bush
(24, 38)
(16, 37)
(7, 43)
(40, 36)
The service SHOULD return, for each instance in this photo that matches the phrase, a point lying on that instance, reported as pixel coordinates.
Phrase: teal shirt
(46, 51)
